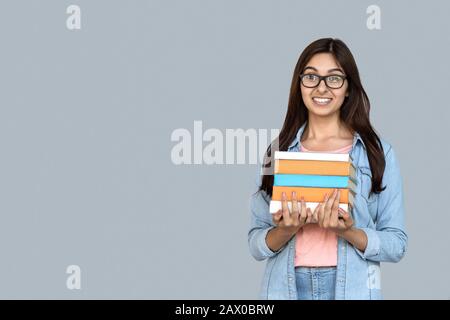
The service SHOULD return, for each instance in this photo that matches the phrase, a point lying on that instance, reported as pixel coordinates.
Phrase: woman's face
(322, 100)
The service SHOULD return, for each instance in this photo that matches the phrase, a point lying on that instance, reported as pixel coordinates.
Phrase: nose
(322, 87)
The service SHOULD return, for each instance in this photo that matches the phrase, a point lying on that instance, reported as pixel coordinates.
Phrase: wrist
(346, 232)
(284, 233)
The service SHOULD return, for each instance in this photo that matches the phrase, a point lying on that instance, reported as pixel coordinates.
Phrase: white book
(321, 156)
(276, 205)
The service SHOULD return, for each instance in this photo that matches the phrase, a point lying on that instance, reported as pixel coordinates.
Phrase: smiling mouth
(321, 101)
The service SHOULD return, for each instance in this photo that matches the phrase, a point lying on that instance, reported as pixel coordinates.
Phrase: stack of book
(311, 175)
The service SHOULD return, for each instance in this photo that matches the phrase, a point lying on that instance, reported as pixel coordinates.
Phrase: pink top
(317, 247)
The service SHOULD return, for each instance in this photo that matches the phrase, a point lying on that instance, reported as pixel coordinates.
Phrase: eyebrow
(331, 70)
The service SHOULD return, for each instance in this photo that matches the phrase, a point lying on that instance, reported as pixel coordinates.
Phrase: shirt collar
(295, 142)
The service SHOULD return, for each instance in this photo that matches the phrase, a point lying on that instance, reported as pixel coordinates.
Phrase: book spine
(322, 156)
(331, 168)
(303, 180)
(310, 194)
(277, 205)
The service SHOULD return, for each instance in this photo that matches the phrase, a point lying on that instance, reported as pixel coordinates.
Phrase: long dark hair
(354, 112)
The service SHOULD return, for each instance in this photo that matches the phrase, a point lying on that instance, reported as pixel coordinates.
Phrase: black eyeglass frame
(324, 78)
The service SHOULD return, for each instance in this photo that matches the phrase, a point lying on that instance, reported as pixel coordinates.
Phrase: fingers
(329, 209)
(295, 210)
(276, 217)
(345, 215)
(333, 222)
(303, 212)
(348, 221)
(321, 210)
(317, 213)
(285, 209)
(330, 201)
(310, 216)
(315, 217)
(326, 213)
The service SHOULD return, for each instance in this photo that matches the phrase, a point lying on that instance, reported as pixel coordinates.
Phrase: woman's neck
(322, 129)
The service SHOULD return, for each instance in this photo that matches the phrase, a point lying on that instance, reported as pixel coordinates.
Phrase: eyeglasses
(313, 80)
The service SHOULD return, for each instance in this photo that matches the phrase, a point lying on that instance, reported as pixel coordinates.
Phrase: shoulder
(389, 156)
(387, 146)
(360, 154)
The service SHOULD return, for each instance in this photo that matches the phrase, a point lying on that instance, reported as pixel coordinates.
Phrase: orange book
(311, 194)
(328, 168)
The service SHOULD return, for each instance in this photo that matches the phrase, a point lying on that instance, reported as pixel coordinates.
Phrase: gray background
(86, 116)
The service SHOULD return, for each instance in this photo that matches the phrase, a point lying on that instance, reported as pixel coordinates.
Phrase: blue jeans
(317, 283)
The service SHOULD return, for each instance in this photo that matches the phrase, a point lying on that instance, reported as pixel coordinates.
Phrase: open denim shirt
(380, 216)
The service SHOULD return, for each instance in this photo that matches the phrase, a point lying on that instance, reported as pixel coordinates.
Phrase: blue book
(314, 181)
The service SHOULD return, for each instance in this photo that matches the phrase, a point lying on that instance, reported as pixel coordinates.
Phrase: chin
(322, 111)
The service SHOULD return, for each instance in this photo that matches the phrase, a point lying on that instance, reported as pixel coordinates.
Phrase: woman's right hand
(292, 221)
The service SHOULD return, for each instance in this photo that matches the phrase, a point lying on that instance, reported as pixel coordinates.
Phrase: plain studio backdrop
(87, 115)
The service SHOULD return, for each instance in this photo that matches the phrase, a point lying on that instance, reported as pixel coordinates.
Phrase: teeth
(322, 100)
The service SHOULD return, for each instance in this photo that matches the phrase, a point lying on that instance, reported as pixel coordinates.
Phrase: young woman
(324, 252)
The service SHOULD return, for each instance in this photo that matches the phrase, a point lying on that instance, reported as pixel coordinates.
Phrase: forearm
(385, 245)
(356, 237)
(276, 238)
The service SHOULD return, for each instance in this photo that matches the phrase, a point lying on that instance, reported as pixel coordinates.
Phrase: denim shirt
(380, 216)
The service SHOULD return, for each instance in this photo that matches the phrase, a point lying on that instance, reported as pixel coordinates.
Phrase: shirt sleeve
(388, 241)
(260, 223)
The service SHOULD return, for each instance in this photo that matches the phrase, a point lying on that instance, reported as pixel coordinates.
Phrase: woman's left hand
(328, 214)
